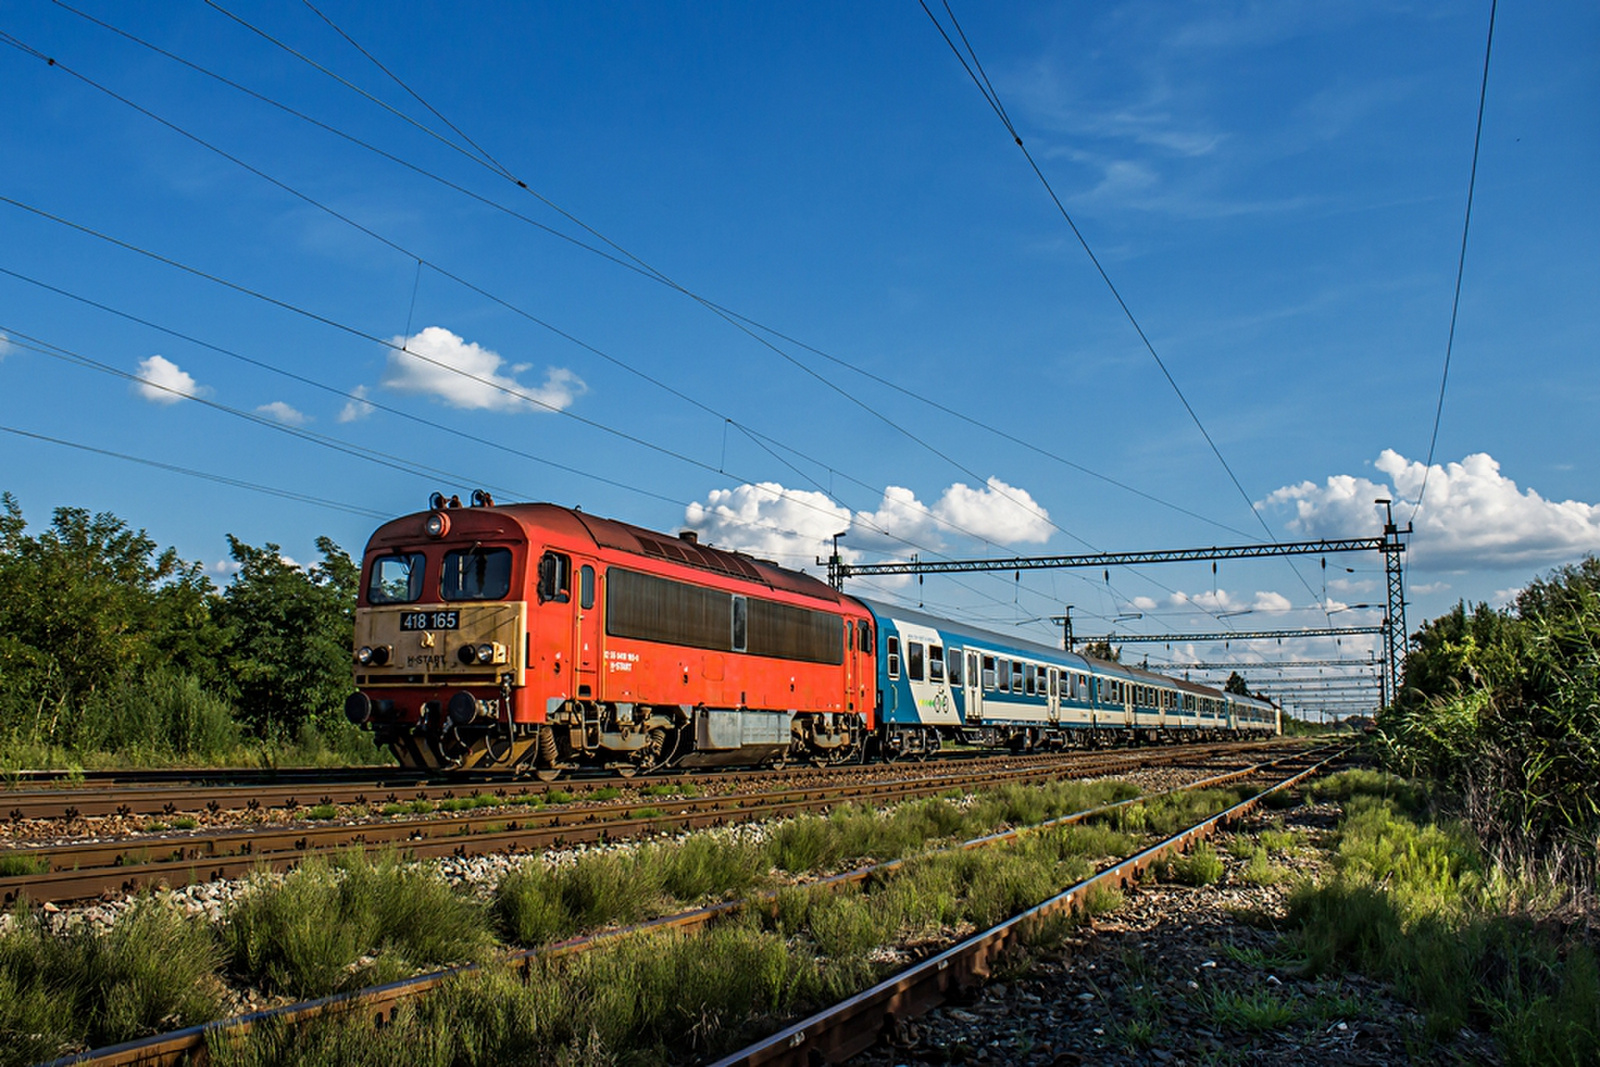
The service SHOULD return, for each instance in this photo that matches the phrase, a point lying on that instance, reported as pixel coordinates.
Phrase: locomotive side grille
(647, 608)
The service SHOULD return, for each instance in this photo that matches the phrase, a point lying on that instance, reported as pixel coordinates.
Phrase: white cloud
(227, 566)
(997, 512)
(1269, 601)
(465, 375)
(358, 407)
(788, 526)
(6, 347)
(161, 381)
(1473, 516)
(284, 413)
(1142, 603)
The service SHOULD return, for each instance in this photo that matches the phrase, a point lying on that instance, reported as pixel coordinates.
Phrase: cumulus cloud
(998, 512)
(1474, 516)
(358, 407)
(789, 526)
(162, 381)
(437, 363)
(284, 413)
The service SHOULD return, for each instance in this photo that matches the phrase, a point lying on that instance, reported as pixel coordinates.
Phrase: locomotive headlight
(467, 655)
(364, 656)
(380, 655)
(436, 524)
(486, 653)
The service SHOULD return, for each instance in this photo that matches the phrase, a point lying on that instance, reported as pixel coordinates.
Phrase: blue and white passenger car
(940, 680)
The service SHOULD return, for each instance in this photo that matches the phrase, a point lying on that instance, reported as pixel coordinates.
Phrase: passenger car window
(989, 677)
(476, 574)
(894, 657)
(396, 579)
(953, 657)
(914, 660)
(1005, 676)
(936, 663)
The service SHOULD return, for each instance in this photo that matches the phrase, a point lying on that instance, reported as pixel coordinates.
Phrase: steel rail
(167, 801)
(854, 1024)
(98, 869)
(380, 1002)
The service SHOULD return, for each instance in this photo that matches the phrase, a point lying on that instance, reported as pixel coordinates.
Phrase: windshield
(476, 574)
(396, 579)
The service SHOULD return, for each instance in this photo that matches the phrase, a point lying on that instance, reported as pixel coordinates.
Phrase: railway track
(164, 795)
(827, 1036)
(85, 870)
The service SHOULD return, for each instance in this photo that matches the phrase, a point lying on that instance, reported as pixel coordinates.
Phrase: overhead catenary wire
(1461, 264)
(975, 71)
(458, 279)
(9, 39)
(220, 479)
(622, 257)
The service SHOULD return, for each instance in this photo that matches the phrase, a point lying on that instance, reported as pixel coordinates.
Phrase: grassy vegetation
(352, 923)
(330, 926)
(1413, 901)
(1200, 866)
(154, 970)
(673, 996)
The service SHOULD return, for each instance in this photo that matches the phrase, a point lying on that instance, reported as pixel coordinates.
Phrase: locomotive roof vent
(690, 536)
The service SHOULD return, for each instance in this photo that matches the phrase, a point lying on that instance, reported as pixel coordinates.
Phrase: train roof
(618, 536)
(1022, 644)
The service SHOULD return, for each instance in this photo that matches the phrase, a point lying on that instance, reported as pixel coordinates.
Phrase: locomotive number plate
(430, 620)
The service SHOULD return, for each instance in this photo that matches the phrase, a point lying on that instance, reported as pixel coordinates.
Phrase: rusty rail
(853, 1025)
(380, 1002)
(82, 871)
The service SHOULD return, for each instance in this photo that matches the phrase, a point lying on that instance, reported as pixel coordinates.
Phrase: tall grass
(153, 970)
(356, 922)
(1414, 903)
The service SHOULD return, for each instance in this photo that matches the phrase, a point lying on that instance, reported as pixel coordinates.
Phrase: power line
(1461, 263)
(459, 280)
(981, 80)
(630, 262)
(238, 483)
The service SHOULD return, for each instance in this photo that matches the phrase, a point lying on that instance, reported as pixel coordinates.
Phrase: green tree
(288, 636)
(1236, 685)
(1102, 650)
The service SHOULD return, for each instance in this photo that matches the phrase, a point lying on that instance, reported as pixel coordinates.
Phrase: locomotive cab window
(396, 579)
(914, 660)
(936, 663)
(476, 574)
(894, 657)
(866, 638)
(555, 578)
(586, 587)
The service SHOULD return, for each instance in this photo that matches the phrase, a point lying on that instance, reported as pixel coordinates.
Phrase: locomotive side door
(850, 665)
(586, 650)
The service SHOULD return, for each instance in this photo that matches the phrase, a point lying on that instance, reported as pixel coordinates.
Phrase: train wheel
(547, 774)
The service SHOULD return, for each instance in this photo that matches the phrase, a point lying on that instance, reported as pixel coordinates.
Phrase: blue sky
(1277, 191)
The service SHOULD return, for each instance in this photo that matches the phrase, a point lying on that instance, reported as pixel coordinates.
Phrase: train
(538, 639)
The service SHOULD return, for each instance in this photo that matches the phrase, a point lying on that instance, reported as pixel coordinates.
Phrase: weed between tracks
(359, 921)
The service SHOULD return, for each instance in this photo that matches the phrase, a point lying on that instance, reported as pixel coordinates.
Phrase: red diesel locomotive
(535, 637)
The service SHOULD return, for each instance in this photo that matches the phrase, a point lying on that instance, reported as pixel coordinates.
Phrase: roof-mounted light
(437, 524)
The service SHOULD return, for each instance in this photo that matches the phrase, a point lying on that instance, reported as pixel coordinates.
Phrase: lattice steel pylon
(1394, 619)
